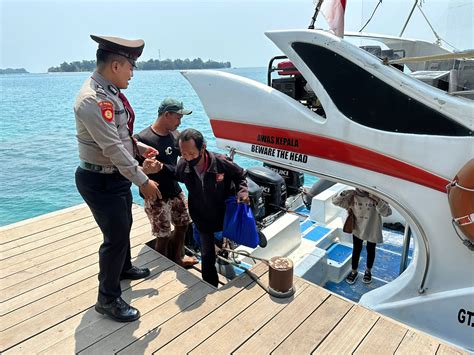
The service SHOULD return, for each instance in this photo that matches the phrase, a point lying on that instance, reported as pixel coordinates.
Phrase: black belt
(102, 169)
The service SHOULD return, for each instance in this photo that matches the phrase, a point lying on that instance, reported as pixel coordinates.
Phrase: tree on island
(13, 71)
(151, 64)
(85, 65)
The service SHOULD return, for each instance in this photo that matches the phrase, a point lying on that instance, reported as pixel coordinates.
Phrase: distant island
(152, 64)
(13, 71)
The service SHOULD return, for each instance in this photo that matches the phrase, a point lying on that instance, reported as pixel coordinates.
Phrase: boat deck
(49, 267)
(385, 269)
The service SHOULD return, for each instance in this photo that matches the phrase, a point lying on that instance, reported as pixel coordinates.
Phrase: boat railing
(406, 248)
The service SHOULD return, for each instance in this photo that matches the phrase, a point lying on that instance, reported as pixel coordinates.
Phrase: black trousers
(110, 200)
(356, 250)
(208, 258)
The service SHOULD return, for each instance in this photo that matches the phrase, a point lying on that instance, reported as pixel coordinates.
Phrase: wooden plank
(189, 317)
(93, 327)
(36, 306)
(18, 289)
(444, 349)
(45, 249)
(283, 324)
(22, 257)
(315, 328)
(54, 233)
(55, 253)
(197, 270)
(26, 338)
(45, 257)
(49, 240)
(348, 334)
(54, 263)
(417, 343)
(58, 232)
(26, 227)
(50, 236)
(51, 285)
(239, 329)
(383, 338)
(57, 263)
(147, 326)
(214, 321)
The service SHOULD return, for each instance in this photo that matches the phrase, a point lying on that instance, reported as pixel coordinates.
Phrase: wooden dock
(48, 271)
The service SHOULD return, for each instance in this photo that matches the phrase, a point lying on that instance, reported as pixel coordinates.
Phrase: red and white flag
(333, 12)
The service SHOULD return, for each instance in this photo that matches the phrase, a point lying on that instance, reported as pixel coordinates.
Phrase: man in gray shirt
(104, 123)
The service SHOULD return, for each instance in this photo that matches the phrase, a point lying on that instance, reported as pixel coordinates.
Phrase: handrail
(464, 54)
(271, 69)
(406, 248)
(391, 199)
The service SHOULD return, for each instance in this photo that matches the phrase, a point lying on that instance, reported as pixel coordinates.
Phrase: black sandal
(351, 278)
(367, 279)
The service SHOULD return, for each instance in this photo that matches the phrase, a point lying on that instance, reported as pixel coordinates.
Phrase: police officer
(104, 123)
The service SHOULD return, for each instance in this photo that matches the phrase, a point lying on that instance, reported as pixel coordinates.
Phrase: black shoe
(118, 310)
(135, 273)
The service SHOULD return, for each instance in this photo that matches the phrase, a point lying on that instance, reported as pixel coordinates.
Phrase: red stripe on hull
(330, 149)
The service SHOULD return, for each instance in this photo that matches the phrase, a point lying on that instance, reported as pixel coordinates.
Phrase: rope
(408, 19)
(438, 38)
(463, 188)
(247, 254)
(455, 183)
(254, 277)
(370, 18)
(288, 210)
(247, 271)
(257, 280)
(465, 242)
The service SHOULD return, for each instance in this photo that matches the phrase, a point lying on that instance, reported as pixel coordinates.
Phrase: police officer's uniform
(107, 169)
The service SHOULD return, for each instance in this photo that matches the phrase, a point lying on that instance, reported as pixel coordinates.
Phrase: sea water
(38, 148)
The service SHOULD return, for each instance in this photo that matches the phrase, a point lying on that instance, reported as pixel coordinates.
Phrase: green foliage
(179, 64)
(13, 71)
(85, 65)
(151, 64)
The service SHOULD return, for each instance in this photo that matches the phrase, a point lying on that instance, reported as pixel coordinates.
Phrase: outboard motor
(257, 203)
(274, 188)
(294, 180)
(318, 187)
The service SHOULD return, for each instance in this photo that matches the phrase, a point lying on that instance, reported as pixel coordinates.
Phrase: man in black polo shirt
(161, 135)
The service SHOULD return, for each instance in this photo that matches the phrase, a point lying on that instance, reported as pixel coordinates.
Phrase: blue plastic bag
(239, 223)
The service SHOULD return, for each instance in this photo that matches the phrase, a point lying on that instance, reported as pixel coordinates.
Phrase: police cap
(130, 49)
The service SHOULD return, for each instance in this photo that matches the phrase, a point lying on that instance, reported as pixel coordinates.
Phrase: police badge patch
(107, 110)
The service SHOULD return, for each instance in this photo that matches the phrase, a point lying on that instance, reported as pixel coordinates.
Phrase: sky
(36, 35)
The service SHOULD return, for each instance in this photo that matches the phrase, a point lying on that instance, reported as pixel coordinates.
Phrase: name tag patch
(107, 110)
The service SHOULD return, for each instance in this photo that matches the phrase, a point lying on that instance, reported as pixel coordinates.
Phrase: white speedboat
(346, 115)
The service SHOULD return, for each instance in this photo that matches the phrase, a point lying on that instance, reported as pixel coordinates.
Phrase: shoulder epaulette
(100, 90)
